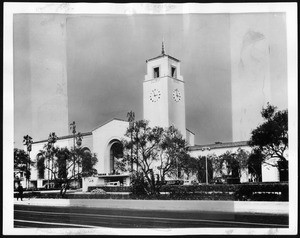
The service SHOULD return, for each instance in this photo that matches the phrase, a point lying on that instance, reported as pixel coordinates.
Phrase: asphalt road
(81, 217)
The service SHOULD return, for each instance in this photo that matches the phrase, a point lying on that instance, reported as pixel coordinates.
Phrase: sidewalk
(171, 205)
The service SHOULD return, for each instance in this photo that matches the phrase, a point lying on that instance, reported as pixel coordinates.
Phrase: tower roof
(163, 54)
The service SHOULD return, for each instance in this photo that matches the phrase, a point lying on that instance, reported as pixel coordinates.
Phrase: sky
(106, 64)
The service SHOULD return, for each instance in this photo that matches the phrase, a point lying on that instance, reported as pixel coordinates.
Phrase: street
(82, 217)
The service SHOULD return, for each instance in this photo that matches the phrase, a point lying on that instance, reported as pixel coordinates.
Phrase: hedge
(244, 192)
(233, 192)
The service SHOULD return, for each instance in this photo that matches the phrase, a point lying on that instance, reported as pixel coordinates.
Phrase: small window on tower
(173, 72)
(156, 72)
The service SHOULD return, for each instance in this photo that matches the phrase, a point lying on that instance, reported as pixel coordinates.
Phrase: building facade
(164, 105)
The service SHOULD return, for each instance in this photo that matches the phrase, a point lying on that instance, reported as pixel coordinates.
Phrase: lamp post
(206, 169)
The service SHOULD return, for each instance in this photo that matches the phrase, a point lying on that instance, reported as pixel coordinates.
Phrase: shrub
(250, 192)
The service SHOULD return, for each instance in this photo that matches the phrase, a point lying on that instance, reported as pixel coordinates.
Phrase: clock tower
(163, 93)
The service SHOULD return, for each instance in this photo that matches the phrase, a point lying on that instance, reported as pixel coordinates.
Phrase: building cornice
(219, 145)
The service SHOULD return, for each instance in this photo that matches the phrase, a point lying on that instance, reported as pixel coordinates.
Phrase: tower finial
(163, 48)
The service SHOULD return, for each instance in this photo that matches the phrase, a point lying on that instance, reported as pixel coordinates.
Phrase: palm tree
(50, 152)
(27, 141)
(22, 162)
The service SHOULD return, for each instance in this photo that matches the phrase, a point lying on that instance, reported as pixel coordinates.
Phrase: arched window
(116, 151)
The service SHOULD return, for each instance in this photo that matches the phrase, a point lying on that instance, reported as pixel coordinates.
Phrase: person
(20, 192)
(63, 190)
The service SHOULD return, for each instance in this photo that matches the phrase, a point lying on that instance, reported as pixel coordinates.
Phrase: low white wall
(90, 181)
(171, 205)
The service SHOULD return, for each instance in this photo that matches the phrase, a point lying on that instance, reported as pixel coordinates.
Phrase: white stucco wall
(102, 136)
(270, 173)
(165, 111)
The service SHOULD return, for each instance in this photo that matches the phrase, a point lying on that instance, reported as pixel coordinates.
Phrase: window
(156, 72)
(173, 72)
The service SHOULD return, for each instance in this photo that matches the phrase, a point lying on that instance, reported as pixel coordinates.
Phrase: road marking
(60, 224)
(158, 218)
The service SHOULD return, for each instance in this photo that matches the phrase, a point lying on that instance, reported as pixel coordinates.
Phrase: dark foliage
(242, 192)
(271, 137)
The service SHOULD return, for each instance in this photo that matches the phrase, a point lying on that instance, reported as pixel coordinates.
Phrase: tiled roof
(163, 55)
(219, 145)
(109, 122)
(64, 137)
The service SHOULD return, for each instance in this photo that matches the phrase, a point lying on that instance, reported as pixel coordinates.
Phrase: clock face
(155, 95)
(176, 95)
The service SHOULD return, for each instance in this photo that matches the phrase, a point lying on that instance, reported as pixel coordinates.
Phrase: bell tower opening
(173, 72)
(156, 72)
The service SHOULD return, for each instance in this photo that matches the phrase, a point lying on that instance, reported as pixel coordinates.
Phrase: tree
(144, 146)
(85, 161)
(271, 137)
(201, 168)
(232, 163)
(189, 165)
(254, 164)
(173, 150)
(27, 141)
(50, 151)
(154, 150)
(22, 163)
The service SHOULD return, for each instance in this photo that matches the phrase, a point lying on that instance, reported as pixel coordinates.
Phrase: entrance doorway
(116, 152)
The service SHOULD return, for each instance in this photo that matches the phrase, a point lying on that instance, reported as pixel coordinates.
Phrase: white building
(164, 105)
